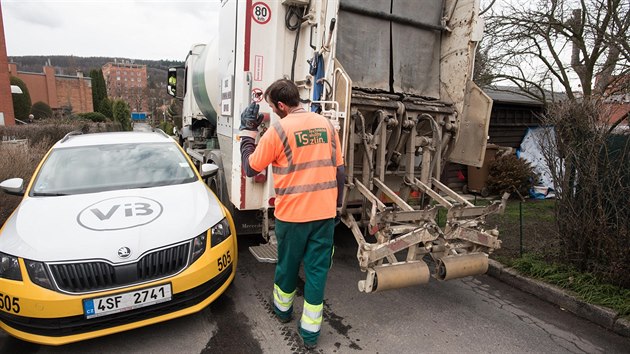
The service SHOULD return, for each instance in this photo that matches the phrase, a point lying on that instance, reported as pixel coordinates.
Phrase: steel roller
(394, 276)
(453, 267)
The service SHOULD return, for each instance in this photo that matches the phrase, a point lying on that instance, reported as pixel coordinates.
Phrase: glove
(338, 217)
(250, 118)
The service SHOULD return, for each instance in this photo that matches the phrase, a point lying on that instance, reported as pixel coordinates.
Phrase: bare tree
(590, 168)
(581, 45)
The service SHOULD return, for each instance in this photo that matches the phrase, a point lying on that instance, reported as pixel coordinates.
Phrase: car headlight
(38, 274)
(199, 245)
(9, 267)
(220, 232)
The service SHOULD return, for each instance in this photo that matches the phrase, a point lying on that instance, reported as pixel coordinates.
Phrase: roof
(78, 139)
(511, 94)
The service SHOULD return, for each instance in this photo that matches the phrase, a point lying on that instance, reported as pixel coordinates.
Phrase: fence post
(520, 220)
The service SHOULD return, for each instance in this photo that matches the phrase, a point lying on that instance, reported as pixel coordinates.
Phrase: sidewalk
(603, 316)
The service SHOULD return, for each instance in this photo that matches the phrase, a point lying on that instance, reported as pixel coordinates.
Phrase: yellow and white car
(115, 231)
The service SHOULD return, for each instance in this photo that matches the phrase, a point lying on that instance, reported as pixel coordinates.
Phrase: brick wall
(58, 91)
(75, 92)
(6, 101)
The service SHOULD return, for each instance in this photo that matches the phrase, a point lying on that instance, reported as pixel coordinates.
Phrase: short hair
(284, 91)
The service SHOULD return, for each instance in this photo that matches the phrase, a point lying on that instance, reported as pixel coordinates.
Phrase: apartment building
(128, 81)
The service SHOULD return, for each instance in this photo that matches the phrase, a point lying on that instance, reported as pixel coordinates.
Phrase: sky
(134, 29)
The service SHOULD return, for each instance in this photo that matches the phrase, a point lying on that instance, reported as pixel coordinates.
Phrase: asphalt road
(141, 127)
(473, 315)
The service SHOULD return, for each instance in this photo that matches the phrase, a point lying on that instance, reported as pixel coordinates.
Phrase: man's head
(283, 96)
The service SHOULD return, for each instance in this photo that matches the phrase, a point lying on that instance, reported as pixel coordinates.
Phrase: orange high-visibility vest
(304, 151)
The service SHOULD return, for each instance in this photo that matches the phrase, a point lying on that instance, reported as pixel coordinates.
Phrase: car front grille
(94, 276)
(67, 326)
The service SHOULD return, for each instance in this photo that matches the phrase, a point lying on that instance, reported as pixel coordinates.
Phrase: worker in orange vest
(304, 151)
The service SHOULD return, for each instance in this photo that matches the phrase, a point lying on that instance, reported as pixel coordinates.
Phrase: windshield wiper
(45, 194)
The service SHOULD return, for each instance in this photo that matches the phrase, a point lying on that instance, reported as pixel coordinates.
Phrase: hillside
(69, 64)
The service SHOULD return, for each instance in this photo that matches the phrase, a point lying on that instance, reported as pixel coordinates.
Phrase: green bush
(167, 127)
(21, 101)
(105, 107)
(41, 110)
(508, 173)
(122, 114)
(93, 116)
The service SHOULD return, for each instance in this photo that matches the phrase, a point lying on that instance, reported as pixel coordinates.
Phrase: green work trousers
(312, 243)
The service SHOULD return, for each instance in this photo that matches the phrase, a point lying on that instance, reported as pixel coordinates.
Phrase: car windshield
(90, 169)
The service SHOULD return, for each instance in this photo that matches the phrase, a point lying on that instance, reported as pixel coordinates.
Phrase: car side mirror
(14, 186)
(209, 170)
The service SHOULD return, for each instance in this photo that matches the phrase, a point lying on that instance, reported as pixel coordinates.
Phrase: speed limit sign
(261, 12)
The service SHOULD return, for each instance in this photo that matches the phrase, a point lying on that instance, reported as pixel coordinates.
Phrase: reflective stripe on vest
(283, 301)
(301, 166)
(306, 188)
(312, 316)
(304, 166)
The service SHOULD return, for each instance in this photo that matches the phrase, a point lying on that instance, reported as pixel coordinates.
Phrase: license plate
(107, 305)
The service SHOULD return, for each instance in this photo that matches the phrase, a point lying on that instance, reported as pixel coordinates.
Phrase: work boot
(308, 345)
(281, 318)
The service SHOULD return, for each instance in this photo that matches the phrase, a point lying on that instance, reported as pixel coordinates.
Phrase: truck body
(395, 78)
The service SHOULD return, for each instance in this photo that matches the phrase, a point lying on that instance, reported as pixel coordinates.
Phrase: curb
(603, 316)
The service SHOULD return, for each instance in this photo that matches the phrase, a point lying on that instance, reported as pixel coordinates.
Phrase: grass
(528, 226)
(541, 245)
(585, 286)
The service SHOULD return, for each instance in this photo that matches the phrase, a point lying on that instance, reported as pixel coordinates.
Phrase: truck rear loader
(395, 78)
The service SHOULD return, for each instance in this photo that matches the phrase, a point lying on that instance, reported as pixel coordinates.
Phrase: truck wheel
(484, 192)
(465, 189)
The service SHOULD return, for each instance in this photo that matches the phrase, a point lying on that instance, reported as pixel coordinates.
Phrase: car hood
(98, 225)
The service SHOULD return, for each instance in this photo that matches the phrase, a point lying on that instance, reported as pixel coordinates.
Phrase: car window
(90, 169)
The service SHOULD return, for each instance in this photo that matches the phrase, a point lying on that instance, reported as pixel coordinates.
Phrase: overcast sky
(136, 29)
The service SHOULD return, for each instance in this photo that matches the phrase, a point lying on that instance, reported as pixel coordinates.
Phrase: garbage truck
(395, 79)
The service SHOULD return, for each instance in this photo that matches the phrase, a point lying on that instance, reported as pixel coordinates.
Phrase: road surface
(472, 315)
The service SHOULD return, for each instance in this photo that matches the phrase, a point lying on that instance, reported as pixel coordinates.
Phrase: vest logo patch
(311, 137)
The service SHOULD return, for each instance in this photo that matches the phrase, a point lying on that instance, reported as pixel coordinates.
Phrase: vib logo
(119, 213)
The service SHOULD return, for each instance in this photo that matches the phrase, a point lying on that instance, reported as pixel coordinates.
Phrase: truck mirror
(171, 87)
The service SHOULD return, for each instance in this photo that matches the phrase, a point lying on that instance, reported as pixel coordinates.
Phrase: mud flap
(470, 146)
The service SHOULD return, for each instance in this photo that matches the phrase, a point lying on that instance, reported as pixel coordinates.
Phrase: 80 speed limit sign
(261, 12)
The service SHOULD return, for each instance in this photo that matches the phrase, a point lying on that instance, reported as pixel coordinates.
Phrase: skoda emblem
(124, 252)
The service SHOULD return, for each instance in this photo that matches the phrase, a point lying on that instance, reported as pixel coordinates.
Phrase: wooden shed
(513, 112)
